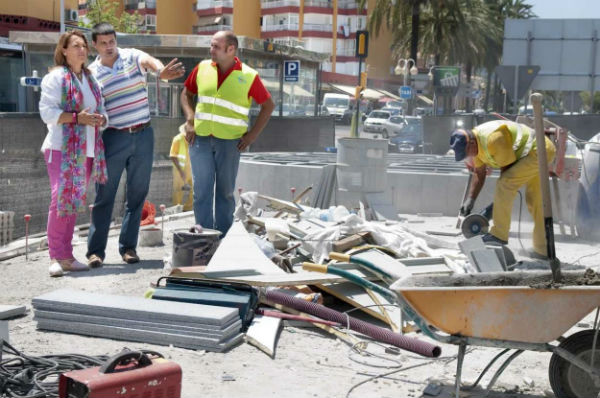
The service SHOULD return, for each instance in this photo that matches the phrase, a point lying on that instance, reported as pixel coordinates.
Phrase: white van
(338, 105)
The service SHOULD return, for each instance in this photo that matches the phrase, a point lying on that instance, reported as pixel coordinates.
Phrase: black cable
(27, 376)
(519, 224)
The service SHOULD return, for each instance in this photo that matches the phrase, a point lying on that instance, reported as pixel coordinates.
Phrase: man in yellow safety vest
(510, 147)
(217, 127)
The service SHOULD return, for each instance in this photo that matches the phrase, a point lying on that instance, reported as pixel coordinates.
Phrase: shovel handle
(538, 122)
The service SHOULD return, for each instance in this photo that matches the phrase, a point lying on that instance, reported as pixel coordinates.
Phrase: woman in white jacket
(72, 107)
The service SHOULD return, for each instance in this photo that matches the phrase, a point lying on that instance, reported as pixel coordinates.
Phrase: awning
(425, 99)
(288, 89)
(367, 93)
(388, 94)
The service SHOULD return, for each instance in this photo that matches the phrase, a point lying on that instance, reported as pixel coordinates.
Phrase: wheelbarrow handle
(328, 269)
(339, 257)
(322, 268)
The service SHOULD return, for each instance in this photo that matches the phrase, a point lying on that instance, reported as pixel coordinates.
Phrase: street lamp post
(430, 75)
(403, 68)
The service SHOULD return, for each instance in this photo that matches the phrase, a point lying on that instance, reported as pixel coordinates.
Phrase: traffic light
(363, 79)
(362, 43)
(357, 91)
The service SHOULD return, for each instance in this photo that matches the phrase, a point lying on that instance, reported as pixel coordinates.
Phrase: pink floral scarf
(72, 186)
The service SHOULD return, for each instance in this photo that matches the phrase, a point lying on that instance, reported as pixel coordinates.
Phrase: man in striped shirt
(128, 139)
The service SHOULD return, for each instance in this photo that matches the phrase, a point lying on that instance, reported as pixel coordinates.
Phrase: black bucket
(194, 248)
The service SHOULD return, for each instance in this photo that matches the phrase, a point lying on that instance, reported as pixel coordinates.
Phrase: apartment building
(325, 26)
(35, 15)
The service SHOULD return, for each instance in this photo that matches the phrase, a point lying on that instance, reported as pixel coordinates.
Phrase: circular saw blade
(474, 224)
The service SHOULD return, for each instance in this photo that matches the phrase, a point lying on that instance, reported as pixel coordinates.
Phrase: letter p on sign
(291, 71)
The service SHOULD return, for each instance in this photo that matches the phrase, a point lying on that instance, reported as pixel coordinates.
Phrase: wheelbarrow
(515, 311)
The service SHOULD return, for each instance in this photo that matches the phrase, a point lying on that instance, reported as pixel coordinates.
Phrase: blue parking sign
(291, 71)
(405, 92)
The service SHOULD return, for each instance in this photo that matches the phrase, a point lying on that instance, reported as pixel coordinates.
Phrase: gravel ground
(307, 363)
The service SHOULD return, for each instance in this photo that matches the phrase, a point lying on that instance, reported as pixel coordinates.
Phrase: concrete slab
(136, 308)
(4, 331)
(140, 335)
(9, 311)
(468, 245)
(486, 260)
(219, 334)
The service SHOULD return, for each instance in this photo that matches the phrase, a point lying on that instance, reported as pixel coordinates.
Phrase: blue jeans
(124, 151)
(214, 169)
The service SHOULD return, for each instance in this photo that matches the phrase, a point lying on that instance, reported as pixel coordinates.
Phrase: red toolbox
(129, 374)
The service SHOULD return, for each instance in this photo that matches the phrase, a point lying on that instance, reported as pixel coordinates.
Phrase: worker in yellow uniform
(182, 171)
(510, 147)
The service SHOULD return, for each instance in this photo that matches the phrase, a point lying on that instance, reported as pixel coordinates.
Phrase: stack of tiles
(194, 326)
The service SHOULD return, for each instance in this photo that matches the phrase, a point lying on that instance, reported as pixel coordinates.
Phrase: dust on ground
(307, 362)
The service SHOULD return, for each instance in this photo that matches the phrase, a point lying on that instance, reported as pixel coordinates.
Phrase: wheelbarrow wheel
(566, 379)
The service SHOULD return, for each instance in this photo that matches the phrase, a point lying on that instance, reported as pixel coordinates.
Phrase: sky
(566, 8)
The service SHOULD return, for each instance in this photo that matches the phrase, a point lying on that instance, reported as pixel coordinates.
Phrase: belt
(134, 128)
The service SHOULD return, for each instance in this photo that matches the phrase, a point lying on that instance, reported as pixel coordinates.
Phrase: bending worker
(510, 147)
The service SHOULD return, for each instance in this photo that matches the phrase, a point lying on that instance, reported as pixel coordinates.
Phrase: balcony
(347, 5)
(279, 3)
(201, 30)
(208, 4)
(318, 3)
(345, 52)
(294, 27)
(140, 5)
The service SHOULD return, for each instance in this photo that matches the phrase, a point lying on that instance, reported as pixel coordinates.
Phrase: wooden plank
(385, 309)
(246, 275)
(285, 205)
(263, 333)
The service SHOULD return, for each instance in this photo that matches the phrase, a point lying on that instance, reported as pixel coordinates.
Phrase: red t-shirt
(257, 91)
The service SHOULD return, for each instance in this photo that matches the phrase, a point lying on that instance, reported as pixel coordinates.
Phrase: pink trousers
(60, 229)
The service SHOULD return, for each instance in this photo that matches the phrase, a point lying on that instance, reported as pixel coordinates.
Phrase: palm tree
(501, 10)
(400, 15)
(467, 32)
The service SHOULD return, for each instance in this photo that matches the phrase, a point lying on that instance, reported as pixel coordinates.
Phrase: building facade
(325, 26)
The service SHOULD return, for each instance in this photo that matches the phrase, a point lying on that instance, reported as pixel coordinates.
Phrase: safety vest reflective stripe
(181, 158)
(221, 119)
(223, 110)
(522, 137)
(523, 142)
(225, 104)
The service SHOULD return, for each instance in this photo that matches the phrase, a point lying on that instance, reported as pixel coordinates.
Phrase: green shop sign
(446, 80)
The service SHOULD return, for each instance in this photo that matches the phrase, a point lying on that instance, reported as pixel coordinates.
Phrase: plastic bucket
(194, 248)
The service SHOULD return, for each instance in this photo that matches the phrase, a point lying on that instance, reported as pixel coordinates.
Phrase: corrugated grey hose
(375, 332)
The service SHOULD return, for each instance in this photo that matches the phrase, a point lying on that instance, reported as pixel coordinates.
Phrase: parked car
(408, 140)
(393, 104)
(374, 123)
(394, 111)
(340, 106)
(393, 126)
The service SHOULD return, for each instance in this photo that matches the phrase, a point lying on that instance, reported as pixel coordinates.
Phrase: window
(150, 21)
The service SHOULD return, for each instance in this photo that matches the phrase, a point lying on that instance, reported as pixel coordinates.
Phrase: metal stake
(27, 217)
